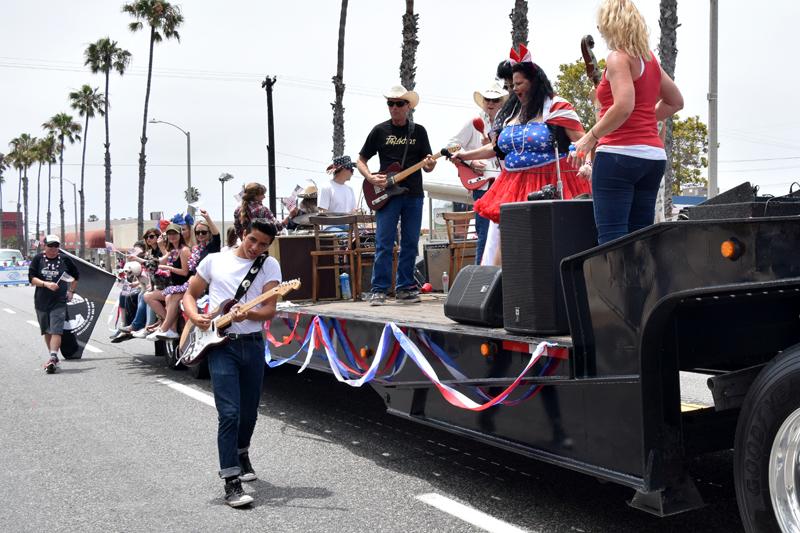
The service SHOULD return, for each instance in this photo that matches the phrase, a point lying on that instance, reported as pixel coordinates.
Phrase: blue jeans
(624, 190)
(237, 371)
(481, 228)
(141, 314)
(407, 210)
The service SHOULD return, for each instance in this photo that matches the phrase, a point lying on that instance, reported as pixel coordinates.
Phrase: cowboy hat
(308, 192)
(398, 92)
(492, 92)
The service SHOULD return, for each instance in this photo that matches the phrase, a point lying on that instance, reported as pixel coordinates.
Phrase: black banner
(94, 285)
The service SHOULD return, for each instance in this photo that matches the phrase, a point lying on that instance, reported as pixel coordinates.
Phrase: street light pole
(188, 156)
(222, 179)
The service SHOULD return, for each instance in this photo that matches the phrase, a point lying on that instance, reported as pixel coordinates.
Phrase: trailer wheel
(200, 371)
(767, 448)
(173, 354)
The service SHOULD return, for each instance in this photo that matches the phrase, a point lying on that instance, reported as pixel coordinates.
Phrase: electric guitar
(470, 177)
(195, 342)
(377, 197)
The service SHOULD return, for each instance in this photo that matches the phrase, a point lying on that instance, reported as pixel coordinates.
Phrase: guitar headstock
(449, 150)
(288, 286)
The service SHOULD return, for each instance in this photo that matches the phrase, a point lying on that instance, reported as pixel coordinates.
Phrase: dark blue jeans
(481, 228)
(140, 320)
(237, 371)
(624, 190)
(407, 210)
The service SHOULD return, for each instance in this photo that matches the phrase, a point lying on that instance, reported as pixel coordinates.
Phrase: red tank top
(640, 128)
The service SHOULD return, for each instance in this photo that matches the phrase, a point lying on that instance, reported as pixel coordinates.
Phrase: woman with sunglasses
(176, 262)
(208, 242)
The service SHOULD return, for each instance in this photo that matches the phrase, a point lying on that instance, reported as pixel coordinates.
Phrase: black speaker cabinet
(476, 296)
(535, 237)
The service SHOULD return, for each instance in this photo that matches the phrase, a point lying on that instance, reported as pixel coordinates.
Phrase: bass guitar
(377, 197)
(195, 342)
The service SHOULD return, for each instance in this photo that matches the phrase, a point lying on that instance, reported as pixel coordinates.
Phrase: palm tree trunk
(25, 224)
(668, 52)
(83, 167)
(408, 54)
(519, 23)
(19, 210)
(61, 189)
(38, 201)
(49, 191)
(142, 155)
(338, 84)
(108, 167)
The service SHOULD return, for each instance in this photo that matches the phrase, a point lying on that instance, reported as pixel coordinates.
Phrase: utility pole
(713, 189)
(267, 85)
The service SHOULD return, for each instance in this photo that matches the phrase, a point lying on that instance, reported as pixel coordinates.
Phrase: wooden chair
(462, 239)
(335, 248)
(364, 248)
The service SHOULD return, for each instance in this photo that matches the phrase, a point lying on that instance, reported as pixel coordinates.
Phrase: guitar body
(377, 197)
(196, 343)
(470, 178)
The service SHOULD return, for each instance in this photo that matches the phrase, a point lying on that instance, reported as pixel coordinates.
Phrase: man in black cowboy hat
(336, 196)
(397, 140)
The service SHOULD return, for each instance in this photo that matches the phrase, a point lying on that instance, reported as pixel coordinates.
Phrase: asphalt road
(110, 443)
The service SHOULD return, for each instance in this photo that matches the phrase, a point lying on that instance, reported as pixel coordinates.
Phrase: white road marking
(189, 391)
(9, 311)
(468, 514)
(33, 323)
(93, 349)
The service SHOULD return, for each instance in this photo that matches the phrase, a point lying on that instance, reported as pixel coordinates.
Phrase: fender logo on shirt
(395, 140)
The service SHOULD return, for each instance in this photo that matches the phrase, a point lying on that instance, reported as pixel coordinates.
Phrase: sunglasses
(151, 236)
(201, 232)
(396, 103)
(491, 100)
(53, 245)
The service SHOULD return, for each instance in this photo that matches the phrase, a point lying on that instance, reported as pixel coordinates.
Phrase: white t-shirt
(225, 271)
(337, 198)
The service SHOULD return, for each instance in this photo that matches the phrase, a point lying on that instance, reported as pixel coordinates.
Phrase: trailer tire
(773, 398)
(200, 371)
(173, 355)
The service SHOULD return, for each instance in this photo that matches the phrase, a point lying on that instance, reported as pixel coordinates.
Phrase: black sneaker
(248, 474)
(407, 297)
(235, 495)
(377, 298)
(51, 364)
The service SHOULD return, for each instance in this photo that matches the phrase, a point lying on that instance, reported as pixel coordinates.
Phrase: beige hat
(309, 192)
(493, 91)
(399, 92)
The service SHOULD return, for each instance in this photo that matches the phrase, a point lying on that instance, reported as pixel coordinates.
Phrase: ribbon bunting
(318, 335)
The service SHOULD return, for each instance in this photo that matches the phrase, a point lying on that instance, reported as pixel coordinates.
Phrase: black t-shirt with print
(389, 142)
(51, 270)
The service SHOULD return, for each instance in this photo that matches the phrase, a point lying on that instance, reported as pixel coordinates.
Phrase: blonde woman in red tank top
(634, 93)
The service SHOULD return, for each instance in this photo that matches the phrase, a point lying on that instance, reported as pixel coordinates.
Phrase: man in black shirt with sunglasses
(398, 140)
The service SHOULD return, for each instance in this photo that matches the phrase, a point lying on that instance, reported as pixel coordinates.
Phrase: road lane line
(189, 391)
(33, 323)
(468, 514)
(93, 349)
(9, 311)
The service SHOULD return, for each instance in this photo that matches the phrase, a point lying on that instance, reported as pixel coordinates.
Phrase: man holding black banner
(55, 277)
(237, 366)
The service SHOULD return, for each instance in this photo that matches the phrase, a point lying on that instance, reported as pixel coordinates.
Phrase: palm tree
(338, 84)
(86, 102)
(668, 52)
(66, 129)
(163, 19)
(24, 148)
(15, 160)
(103, 56)
(48, 147)
(3, 167)
(519, 23)
(408, 54)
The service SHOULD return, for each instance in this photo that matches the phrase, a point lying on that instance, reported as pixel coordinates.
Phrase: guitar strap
(409, 132)
(251, 275)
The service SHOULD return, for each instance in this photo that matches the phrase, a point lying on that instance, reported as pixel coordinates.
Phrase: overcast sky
(209, 83)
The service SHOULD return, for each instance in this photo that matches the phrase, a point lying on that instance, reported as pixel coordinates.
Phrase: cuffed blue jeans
(237, 372)
(481, 228)
(407, 210)
(624, 190)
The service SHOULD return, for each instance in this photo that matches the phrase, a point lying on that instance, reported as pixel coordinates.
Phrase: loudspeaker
(476, 296)
(535, 237)
(437, 260)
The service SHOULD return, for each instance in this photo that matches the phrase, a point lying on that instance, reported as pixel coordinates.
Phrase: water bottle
(344, 284)
(445, 282)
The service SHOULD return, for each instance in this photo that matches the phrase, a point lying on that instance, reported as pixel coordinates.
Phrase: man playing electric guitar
(237, 366)
(397, 140)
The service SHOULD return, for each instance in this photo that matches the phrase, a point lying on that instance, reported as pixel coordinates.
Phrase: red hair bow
(523, 56)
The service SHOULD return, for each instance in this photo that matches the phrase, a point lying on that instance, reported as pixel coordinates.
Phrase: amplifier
(535, 237)
(476, 296)
(437, 260)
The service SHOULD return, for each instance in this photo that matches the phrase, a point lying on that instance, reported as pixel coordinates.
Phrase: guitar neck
(403, 174)
(225, 320)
